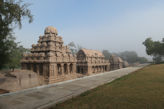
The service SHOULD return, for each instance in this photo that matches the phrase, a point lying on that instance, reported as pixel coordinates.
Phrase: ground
(143, 89)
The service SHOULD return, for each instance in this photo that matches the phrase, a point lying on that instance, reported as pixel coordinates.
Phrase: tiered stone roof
(49, 48)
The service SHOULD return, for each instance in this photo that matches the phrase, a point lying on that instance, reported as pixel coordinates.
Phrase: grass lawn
(143, 89)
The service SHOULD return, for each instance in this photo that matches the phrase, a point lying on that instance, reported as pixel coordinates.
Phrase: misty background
(114, 25)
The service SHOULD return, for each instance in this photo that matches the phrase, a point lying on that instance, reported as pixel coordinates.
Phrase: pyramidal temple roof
(49, 45)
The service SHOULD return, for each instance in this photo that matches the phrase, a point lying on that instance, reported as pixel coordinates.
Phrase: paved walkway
(41, 97)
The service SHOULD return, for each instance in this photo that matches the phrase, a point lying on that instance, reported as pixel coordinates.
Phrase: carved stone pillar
(46, 72)
(51, 68)
(68, 68)
(74, 68)
(55, 70)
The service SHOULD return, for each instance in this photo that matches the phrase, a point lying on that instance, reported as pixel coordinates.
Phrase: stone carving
(91, 61)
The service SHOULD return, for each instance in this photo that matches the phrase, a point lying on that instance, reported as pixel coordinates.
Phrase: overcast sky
(115, 25)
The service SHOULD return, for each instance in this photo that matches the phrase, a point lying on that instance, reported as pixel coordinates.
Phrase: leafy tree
(149, 46)
(74, 48)
(155, 49)
(15, 54)
(78, 47)
(106, 54)
(157, 58)
(11, 14)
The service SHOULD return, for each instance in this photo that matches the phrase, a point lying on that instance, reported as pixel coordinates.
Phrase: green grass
(143, 89)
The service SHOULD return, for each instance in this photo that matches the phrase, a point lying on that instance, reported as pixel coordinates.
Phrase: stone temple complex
(54, 62)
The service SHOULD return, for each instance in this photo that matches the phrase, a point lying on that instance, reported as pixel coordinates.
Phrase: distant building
(91, 61)
(115, 62)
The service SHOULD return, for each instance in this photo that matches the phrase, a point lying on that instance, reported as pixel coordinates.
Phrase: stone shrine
(115, 62)
(50, 58)
(91, 61)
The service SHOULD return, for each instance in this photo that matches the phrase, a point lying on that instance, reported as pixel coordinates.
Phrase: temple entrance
(35, 69)
(105, 68)
(28, 66)
(82, 70)
(40, 69)
(65, 68)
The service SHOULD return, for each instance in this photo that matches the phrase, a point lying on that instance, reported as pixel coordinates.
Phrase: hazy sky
(115, 25)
